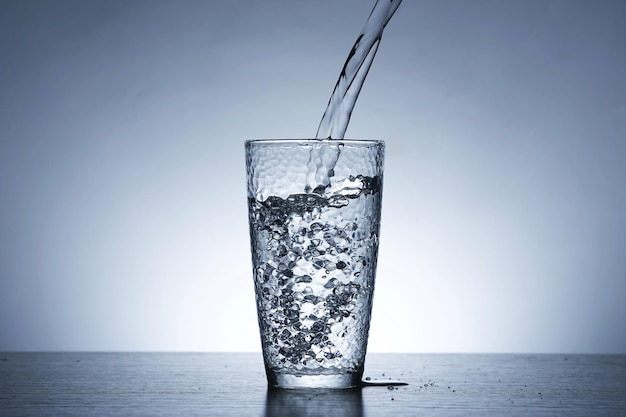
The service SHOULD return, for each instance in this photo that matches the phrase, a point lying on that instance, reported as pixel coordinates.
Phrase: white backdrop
(123, 220)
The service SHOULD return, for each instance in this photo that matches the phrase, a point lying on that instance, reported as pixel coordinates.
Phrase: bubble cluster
(314, 260)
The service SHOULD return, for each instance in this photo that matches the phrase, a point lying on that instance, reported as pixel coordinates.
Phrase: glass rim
(293, 141)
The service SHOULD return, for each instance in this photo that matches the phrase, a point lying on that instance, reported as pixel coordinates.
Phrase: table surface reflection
(207, 384)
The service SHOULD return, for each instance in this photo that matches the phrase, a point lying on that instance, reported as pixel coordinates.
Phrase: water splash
(335, 120)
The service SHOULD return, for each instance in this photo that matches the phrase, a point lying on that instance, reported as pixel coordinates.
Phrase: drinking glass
(314, 211)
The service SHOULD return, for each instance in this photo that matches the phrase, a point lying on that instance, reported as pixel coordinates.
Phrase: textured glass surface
(314, 257)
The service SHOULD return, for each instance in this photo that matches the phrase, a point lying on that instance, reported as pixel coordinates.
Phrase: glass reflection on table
(314, 402)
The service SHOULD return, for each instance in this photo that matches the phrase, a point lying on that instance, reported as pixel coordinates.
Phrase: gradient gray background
(123, 221)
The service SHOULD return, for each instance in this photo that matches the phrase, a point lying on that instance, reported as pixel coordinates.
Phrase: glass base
(288, 381)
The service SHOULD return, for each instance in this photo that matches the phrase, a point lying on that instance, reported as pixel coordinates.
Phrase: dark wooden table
(233, 384)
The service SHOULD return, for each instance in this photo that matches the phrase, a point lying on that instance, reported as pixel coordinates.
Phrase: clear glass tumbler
(314, 210)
